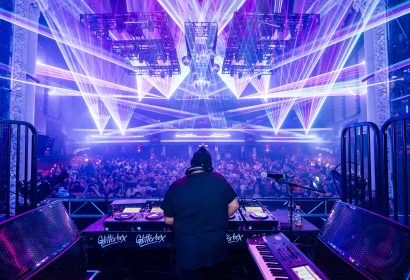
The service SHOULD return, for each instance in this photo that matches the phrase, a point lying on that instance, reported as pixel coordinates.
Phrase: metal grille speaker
(371, 243)
(30, 241)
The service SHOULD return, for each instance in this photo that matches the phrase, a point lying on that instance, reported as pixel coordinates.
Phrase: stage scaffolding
(143, 40)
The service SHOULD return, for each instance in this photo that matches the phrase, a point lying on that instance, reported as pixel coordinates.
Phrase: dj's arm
(169, 220)
(233, 206)
(166, 206)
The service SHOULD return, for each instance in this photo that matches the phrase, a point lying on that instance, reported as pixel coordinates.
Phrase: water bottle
(297, 216)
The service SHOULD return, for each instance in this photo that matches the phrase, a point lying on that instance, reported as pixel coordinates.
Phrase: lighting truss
(142, 39)
(201, 39)
(257, 40)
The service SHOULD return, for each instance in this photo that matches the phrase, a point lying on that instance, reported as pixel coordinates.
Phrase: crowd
(151, 177)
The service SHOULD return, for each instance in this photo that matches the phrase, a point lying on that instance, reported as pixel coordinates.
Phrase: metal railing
(360, 165)
(18, 166)
(311, 207)
(395, 134)
(86, 208)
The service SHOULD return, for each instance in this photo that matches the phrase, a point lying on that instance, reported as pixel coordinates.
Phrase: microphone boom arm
(291, 186)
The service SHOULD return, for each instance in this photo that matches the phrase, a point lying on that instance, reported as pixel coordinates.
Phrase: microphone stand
(290, 187)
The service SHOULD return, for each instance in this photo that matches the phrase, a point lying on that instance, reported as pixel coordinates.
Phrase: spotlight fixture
(120, 26)
(162, 75)
(194, 75)
(203, 57)
(240, 74)
(202, 84)
(259, 56)
(216, 68)
(186, 60)
(201, 39)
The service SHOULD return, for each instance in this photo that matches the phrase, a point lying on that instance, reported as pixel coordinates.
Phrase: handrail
(358, 187)
(11, 137)
(398, 191)
(77, 207)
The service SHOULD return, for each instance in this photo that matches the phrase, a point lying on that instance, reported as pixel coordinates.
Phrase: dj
(198, 206)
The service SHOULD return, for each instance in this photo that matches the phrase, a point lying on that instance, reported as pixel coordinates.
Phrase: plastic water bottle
(297, 216)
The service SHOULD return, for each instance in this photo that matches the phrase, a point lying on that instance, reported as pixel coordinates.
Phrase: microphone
(274, 176)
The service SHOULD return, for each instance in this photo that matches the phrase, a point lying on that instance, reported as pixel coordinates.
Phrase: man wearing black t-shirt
(198, 206)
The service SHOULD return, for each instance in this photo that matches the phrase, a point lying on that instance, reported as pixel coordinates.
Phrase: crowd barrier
(360, 165)
(375, 167)
(395, 148)
(18, 166)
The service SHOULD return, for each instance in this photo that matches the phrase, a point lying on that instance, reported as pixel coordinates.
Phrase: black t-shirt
(199, 205)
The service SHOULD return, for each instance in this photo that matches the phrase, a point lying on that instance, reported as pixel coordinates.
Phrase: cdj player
(235, 221)
(135, 216)
(120, 204)
(257, 216)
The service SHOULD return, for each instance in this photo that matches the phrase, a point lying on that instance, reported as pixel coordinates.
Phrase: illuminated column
(376, 53)
(24, 57)
(23, 65)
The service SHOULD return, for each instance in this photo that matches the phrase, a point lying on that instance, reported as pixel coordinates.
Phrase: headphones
(192, 169)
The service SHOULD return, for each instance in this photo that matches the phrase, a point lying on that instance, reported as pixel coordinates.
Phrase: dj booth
(136, 224)
(133, 241)
(354, 243)
(133, 236)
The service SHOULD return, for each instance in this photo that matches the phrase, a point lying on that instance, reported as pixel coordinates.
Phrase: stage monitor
(43, 243)
(376, 247)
